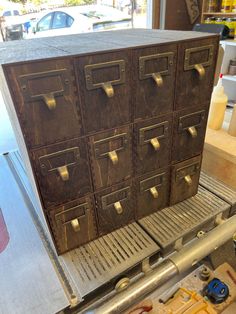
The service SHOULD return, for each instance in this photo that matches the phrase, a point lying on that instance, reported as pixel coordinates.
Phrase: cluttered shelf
(220, 13)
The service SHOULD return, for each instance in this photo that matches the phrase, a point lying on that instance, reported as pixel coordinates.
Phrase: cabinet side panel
(5, 89)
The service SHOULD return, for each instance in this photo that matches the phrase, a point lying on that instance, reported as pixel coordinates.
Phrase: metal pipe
(197, 250)
(139, 289)
(177, 263)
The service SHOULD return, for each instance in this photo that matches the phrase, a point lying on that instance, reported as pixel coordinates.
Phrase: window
(61, 20)
(45, 23)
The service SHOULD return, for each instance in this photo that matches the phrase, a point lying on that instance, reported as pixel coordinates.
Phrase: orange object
(4, 236)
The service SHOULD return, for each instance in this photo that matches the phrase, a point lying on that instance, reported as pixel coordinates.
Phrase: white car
(79, 19)
(106, 17)
(61, 21)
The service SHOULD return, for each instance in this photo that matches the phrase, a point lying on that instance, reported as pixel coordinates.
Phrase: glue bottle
(219, 102)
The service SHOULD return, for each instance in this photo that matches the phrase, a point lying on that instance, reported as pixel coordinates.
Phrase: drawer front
(152, 192)
(184, 179)
(111, 156)
(195, 74)
(154, 78)
(189, 133)
(45, 100)
(152, 144)
(73, 224)
(115, 207)
(104, 84)
(62, 172)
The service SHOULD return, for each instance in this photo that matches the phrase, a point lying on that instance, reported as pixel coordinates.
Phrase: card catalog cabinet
(113, 132)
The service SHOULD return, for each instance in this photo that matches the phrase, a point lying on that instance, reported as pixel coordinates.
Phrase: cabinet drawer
(62, 172)
(154, 79)
(46, 101)
(104, 82)
(111, 156)
(184, 179)
(189, 133)
(115, 207)
(195, 74)
(73, 224)
(152, 192)
(152, 144)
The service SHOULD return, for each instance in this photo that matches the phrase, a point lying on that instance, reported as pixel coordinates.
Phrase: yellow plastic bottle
(218, 105)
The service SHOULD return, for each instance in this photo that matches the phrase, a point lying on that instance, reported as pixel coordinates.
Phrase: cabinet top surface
(89, 43)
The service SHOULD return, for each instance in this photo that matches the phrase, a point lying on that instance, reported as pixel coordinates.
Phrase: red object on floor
(4, 236)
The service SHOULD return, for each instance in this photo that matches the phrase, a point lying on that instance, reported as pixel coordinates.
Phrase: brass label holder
(156, 76)
(46, 162)
(152, 184)
(198, 67)
(80, 214)
(49, 98)
(113, 154)
(115, 199)
(189, 127)
(187, 173)
(107, 86)
(154, 141)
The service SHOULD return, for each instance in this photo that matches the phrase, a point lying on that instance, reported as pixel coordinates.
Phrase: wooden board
(219, 156)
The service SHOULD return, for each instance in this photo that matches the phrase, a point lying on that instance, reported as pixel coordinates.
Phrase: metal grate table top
(220, 189)
(105, 258)
(175, 222)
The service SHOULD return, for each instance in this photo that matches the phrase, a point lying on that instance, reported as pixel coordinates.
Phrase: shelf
(231, 78)
(229, 42)
(219, 14)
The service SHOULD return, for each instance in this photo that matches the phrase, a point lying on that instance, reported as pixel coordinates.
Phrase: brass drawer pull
(118, 208)
(106, 86)
(192, 131)
(60, 76)
(190, 123)
(50, 101)
(108, 89)
(201, 71)
(188, 180)
(113, 157)
(167, 57)
(158, 79)
(155, 143)
(63, 172)
(75, 225)
(154, 192)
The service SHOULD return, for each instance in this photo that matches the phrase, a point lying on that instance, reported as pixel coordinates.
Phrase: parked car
(105, 17)
(11, 25)
(80, 19)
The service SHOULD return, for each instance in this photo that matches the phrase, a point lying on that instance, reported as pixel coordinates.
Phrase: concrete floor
(7, 137)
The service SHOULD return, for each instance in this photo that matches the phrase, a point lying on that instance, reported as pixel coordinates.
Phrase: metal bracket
(187, 58)
(108, 85)
(151, 184)
(186, 173)
(49, 98)
(155, 132)
(46, 162)
(191, 122)
(112, 155)
(115, 199)
(156, 76)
